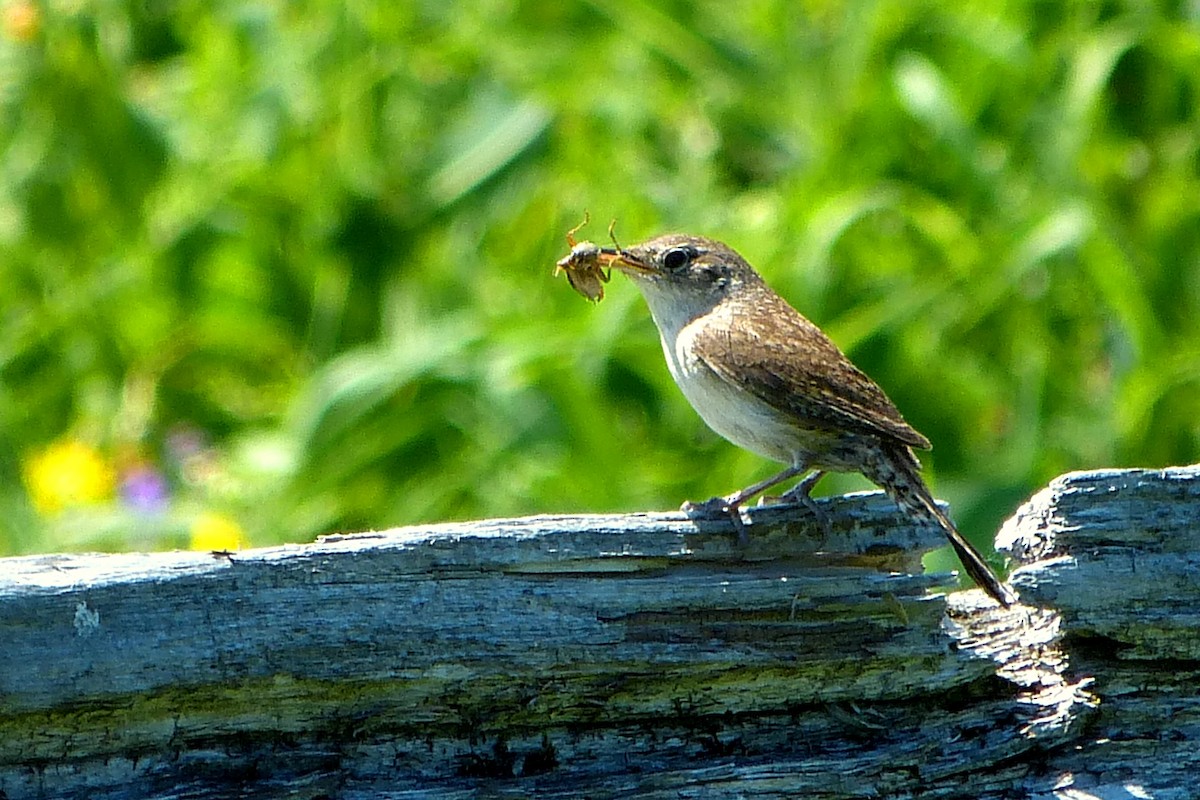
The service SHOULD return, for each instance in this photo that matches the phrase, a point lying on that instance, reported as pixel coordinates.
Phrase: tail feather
(898, 472)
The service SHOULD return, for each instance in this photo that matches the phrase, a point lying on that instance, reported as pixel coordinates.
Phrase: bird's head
(682, 276)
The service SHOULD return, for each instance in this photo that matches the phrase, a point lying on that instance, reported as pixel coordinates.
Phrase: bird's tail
(898, 472)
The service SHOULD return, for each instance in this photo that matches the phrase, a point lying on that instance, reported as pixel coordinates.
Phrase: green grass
(296, 258)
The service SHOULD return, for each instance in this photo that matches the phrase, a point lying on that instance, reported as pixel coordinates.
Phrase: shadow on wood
(601, 656)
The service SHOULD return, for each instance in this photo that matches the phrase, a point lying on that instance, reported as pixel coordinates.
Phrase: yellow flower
(67, 473)
(21, 20)
(212, 531)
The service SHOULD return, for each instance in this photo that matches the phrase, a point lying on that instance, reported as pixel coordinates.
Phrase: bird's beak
(624, 260)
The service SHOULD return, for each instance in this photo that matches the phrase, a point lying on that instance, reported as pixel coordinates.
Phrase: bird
(765, 378)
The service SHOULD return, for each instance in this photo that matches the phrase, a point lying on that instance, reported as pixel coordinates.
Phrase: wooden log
(601, 656)
(1117, 554)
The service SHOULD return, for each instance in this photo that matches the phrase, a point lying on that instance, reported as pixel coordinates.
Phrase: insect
(584, 264)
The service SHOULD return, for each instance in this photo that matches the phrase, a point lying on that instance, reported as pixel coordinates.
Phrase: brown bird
(765, 378)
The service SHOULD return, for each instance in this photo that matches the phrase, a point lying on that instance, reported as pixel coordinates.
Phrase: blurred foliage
(281, 268)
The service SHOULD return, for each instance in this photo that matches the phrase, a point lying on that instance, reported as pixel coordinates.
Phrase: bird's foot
(802, 493)
(718, 508)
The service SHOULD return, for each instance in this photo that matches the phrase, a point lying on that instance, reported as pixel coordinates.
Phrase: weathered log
(1117, 554)
(598, 656)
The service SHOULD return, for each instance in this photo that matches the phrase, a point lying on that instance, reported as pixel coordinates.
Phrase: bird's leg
(730, 505)
(802, 493)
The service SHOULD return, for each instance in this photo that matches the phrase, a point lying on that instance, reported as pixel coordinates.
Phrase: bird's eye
(676, 258)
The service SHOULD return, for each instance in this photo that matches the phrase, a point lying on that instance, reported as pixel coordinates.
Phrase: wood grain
(613, 656)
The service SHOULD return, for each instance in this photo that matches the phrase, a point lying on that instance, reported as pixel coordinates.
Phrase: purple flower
(145, 489)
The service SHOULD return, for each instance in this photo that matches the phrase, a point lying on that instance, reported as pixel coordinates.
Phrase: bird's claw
(718, 508)
(802, 493)
(712, 508)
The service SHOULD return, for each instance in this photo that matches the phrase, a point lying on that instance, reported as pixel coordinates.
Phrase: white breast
(734, 413)
(730, 411)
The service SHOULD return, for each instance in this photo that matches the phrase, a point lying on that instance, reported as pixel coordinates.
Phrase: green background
(316, 239)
